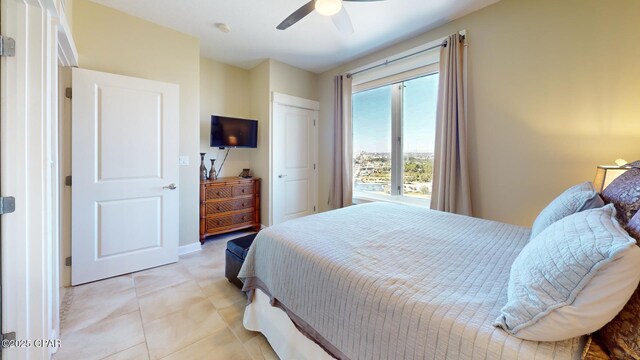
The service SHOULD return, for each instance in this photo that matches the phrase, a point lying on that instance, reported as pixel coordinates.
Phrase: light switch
(183, 160)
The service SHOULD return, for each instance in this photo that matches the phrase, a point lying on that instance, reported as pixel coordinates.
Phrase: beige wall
(268, 77)
(232, 91)
(260, 108)
(111, 41)
(554, 89)
(224, 90)
(290, 80)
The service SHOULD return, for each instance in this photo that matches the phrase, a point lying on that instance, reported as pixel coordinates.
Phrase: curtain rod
(387, 62)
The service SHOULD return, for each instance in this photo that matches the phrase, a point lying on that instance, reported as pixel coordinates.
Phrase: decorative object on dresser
(246, 173)
(212, 172)
(229, 204)
(203, 169)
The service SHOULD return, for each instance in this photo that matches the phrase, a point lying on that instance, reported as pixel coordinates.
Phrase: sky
(372, 117)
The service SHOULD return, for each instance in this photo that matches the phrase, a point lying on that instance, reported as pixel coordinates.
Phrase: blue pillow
(551, 271)
(577, 198)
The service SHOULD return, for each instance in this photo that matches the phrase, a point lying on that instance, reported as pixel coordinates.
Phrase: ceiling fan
(332, 8)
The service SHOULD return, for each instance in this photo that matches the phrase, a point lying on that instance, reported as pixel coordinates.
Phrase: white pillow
(576, 198)
(593, 308)
(572, 279)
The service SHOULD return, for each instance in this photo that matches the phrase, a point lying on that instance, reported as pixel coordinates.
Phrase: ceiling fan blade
(305, 10)
(342, 21)
(362, 0)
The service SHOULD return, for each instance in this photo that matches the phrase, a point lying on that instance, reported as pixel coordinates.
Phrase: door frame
(29, 167)
(302, 103)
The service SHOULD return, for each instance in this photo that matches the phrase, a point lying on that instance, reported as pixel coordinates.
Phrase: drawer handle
(219, 222)
(218, 193)
(242, 190)
(242, 204)
(243, 218)
(218, 208)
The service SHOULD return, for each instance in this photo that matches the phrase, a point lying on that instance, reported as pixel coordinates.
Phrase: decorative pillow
(572, 279)
(622, 335)
(577, 198)
(633, 227)
(624, 193)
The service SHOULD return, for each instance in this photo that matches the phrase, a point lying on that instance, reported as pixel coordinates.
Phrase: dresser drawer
(218, 192)
(242, 218)
(217, 222)
(229, 205)
(240, 190)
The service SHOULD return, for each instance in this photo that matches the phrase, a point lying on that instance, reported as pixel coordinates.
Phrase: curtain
(341, 190)
(451, 191)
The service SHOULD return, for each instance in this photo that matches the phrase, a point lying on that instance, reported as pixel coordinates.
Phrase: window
(393, 139)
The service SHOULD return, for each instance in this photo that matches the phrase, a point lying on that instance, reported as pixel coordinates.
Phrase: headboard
(624, 194)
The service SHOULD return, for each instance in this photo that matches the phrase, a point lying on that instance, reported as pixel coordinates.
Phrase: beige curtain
(451, 169)
(341, 190)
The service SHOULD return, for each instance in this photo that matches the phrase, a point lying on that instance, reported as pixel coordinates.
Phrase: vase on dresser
(203, 169)
(212, 172)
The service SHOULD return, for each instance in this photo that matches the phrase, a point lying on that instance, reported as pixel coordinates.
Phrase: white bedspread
(385, 281)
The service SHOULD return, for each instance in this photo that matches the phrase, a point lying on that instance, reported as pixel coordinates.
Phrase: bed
(388, 281)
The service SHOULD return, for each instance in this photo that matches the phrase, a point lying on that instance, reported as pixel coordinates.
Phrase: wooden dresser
(229, 204)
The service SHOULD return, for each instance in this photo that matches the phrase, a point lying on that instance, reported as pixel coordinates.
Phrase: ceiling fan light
(328, 7)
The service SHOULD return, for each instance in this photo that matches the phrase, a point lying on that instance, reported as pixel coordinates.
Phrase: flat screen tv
(228, 132)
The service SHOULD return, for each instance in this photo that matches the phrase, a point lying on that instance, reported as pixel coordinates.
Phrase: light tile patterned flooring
(186, 310)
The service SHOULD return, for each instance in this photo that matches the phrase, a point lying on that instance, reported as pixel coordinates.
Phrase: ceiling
(312, 44)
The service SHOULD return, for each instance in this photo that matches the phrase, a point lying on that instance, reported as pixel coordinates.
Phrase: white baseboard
(189, 248)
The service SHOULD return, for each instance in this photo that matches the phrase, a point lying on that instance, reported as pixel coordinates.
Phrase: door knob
(282, 175)
(170, 187)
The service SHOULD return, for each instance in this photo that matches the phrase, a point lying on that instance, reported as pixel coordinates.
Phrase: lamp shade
(606, 174)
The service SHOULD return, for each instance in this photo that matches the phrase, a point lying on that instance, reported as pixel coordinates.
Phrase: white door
(294, 157)
(125, 171)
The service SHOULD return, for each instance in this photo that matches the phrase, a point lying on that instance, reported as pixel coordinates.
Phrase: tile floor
(186, 310)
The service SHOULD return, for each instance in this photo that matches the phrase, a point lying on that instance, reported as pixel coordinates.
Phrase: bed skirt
(282, 334)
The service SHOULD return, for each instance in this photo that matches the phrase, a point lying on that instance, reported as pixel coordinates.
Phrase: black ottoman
(237, 250)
